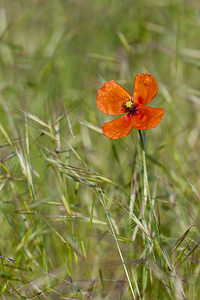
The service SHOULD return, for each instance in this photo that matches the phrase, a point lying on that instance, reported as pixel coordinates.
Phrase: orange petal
(147, 117)
(110, 98)
(119, 127)
(145, 88)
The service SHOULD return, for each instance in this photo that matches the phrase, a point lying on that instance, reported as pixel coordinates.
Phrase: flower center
(129, 104)
(129, 107)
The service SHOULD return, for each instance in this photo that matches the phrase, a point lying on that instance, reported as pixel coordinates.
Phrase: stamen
(129, 107)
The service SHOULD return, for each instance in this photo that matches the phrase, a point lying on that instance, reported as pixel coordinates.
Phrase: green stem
(146, 183)
(156, 241)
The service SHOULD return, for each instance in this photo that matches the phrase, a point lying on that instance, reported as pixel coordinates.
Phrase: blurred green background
(57, 168)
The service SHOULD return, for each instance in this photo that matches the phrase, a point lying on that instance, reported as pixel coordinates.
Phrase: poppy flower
(113, 99)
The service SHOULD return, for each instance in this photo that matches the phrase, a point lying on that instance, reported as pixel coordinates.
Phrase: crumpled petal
(110, 98)
(147, 117)
(145, 88)
(119, 127)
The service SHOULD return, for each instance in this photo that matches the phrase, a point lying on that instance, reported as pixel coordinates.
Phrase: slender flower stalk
(146, 182)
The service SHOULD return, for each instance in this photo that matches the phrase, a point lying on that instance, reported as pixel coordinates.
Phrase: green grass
(79, 216)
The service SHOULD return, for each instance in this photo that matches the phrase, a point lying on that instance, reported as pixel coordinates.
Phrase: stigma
(129, 104)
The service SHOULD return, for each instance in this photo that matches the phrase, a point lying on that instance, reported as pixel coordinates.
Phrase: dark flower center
(129, 107)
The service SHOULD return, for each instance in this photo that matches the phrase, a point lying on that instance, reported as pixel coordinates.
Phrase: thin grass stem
(118, 247)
